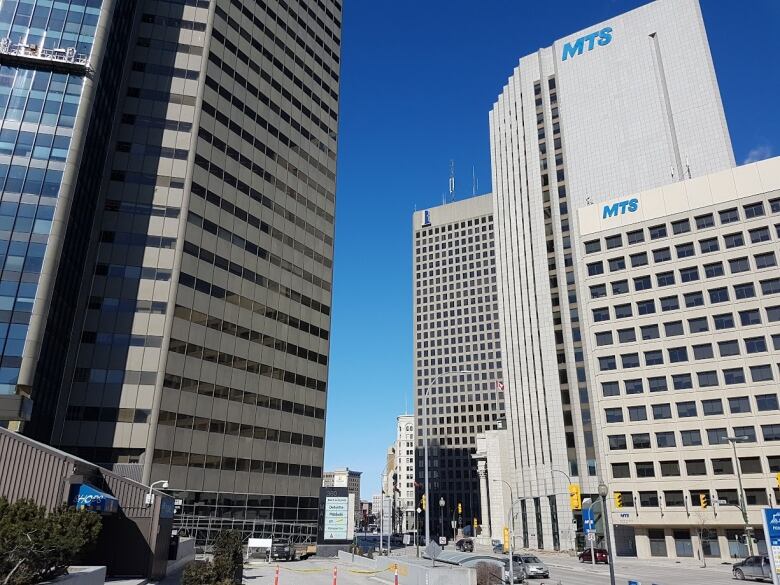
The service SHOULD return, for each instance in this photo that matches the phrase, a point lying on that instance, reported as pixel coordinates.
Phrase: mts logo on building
(620, 208)
(601, 37)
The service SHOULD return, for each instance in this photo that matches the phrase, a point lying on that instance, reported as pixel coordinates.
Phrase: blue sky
(418, 78)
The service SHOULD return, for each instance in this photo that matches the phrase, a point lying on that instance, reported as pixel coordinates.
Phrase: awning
(91, 498)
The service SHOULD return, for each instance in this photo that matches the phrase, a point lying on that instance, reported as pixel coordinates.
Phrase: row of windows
(726, 216)
(694, 467)
(270, 57)
(243, 364)
(196, 460)
(770, 286)
(222, 427)
(679, 499)
(261, 24)
(258, 223)
(238, 300)
(663, 279)
(239, 396)
(252, 335)
(253, 277)
(660, 255)
(686, 409)
(758, 373)
(224, 234)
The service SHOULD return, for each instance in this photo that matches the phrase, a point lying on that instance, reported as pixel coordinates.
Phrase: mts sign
(620, 208)
(601, 37)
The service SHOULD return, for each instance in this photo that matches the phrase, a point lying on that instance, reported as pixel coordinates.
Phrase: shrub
(227, 568)
(35, 546)
(198, 573)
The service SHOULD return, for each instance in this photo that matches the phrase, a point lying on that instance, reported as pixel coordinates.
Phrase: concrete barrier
(413, 572)
(78, 575)
(184, 554)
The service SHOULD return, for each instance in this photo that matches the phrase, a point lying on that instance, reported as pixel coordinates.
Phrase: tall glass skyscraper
(180, 329)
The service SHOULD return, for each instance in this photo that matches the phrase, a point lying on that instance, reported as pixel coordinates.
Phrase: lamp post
(425, 449)
(511, 527)
(441, 516)
(573, 530)
(603, 491)
(742, 498)
(163, 483)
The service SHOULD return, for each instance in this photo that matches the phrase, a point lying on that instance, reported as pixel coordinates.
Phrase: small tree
(227, 568)
(35, 546)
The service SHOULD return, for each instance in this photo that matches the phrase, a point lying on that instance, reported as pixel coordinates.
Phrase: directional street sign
(587, 519)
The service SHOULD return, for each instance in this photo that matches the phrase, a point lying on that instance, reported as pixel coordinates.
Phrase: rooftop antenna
(474, 182)
(452, 181)
(687, 166)
(671, 168)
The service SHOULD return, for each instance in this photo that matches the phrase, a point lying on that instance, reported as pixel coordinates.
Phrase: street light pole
(425, 449)
(511, 524)
(603, 491)
(441, 516)
(742, 498)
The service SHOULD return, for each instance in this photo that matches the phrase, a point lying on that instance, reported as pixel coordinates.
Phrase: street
(564, 571)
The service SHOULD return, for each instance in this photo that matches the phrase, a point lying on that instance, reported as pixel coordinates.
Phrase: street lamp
(149, 500)
(603, 491)
(510, 526)
(425, 449)
(742, 498)
(441, 516)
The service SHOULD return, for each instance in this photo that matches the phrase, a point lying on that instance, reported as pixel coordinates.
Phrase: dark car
(756, 567)
(465, 545)
(599, 553)
(282, 549)
(498, 547)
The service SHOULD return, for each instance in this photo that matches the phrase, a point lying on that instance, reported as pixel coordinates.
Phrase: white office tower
(625, 105)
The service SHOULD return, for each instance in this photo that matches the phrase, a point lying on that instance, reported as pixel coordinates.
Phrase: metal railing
(67, 55)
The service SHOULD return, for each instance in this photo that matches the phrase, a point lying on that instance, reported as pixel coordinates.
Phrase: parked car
(498, 547)
(756, 567)
(532, 566)
(599, 553)
(282, 549)
(465, 545)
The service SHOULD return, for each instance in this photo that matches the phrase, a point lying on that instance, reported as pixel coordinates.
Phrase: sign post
(589, 525)
(771, 518)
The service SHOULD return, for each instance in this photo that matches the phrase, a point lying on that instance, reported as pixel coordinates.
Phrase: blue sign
(601, 37)
(772, 522)
(588, 523)
(426, 217)
(620, 208)
(91, 498)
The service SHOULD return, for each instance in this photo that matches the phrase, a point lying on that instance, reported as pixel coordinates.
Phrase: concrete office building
(350, 479)
(494, 469)
(405, 494)
(455, 329)
(182, 318)
(680, 296)
(624, 105)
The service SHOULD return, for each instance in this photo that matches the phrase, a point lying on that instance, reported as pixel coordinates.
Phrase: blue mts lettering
(601, 37)
(605, 36)
(620, 208)
(570, 50)
(610, 211)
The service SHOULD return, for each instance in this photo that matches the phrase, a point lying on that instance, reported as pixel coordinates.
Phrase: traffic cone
(396, 575)
(335, 574)
(276, 576)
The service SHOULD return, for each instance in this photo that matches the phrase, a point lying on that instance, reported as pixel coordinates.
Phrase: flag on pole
(500, 385)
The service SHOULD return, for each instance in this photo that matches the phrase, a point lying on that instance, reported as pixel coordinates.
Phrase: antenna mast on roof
(474, 182)
(452, 181)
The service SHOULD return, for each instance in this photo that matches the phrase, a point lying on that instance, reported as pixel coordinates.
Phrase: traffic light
(475, 522)
(777, 477)
(703, 501)
(460, 508)
(575, 497)
(422, 502)
(618, 500)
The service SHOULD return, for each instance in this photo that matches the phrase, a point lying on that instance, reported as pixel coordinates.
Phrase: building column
(484, 502)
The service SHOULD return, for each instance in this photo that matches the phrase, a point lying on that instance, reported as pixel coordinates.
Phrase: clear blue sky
(418, 78)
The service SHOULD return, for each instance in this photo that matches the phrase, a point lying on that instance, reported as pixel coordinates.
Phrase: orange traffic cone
(335, 573)
(276, 576)
(396, 575)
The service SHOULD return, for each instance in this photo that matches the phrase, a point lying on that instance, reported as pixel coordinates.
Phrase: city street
(564, 571)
